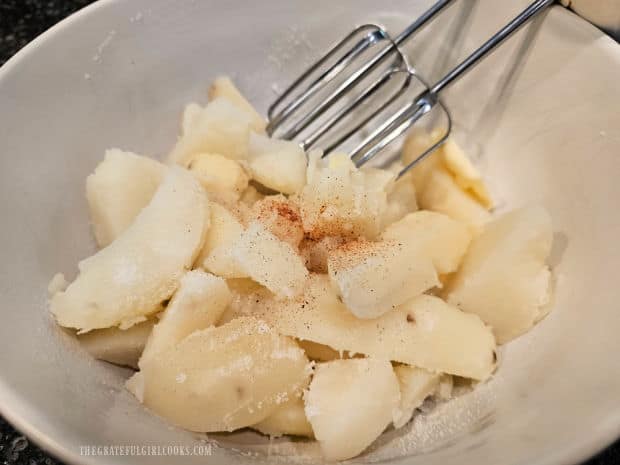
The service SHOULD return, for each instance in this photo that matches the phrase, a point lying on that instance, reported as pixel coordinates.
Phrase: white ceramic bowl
(542, 115)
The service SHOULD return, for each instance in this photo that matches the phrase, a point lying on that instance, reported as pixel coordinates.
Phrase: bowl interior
(540, 116)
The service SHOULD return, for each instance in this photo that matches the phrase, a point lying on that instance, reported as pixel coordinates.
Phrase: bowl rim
(13, 407)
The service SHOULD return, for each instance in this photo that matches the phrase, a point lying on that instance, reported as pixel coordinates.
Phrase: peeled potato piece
(415, 144)
(443, 195)
(341, 200)
(450, 158)
(220, 127)
(465, 174)
(425, 332)
(197, 304)
(219, 174)
(118, 346)
(446, 181)
(288, 418)
(374, 277)
(277, 164)
(434, 235)
(225, 228)
(416, 384)
(270, 261)
(349, 403)
(504, 278)
(127, 281)
(121, 186)
(281, 217)
(224, 87)
(225, 231)
(225, 378)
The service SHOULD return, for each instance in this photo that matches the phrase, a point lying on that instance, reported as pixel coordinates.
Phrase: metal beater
(327, 99)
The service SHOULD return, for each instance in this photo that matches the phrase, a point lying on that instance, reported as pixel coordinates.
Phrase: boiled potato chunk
(416, 384)
(277, 164)
(270, 261)
(504, 278)
(197, 304)
(121, 186)
(225, 378)
(225, 228)
(465, 174)
(434, 235)
(225, 231)
(220, 127)
(281, 217)
(416, 143)
(219, 174)
(127, 281)
(350, 403)
(447, 181)
(289, 418)
(224, 87)
(118, 346)
(443, 195)
(221, 263)
(375, 277)
(341, 200)
(425, 332)
(450, 157)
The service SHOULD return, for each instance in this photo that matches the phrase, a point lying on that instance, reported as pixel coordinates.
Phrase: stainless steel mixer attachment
(346, 93)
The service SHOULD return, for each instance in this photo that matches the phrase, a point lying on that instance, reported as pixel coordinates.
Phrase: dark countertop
(20, 22)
